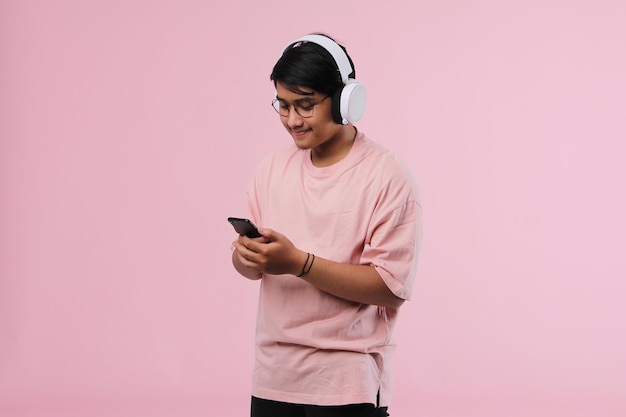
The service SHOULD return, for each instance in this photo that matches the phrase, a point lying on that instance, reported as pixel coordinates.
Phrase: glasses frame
(278, 108)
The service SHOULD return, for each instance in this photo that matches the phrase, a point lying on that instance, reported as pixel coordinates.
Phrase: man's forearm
(359, 283)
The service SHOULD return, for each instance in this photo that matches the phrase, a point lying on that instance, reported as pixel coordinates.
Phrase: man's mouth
(299, 133)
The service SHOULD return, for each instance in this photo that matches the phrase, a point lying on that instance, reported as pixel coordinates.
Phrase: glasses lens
(304, 109)
(280, 107)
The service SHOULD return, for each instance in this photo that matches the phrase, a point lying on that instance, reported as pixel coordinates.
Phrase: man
(340, 237)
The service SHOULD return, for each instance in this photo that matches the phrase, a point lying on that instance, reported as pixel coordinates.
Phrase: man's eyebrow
(296, 100)
(299, 92)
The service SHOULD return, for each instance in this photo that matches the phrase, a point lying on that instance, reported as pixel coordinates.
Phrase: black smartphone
(244, 227)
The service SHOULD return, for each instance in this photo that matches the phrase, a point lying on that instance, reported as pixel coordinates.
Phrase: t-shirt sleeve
(393, 242)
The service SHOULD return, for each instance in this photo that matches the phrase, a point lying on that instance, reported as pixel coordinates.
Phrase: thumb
(268, 234)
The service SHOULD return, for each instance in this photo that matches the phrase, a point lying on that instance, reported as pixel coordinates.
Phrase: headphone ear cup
(348, 103)
(352, 102)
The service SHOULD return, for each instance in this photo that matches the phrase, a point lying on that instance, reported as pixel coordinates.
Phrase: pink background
(129, 129)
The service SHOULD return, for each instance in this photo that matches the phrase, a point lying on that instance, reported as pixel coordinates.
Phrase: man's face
(311, 132)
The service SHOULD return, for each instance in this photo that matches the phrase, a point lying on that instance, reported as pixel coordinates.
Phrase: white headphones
(349, 101)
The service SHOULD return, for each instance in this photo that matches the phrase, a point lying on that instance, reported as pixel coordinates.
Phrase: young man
(337, 256)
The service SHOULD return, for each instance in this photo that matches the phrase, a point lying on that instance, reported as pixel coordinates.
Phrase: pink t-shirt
(313, 347)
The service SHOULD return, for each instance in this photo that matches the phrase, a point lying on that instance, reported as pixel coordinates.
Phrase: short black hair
(307, 64)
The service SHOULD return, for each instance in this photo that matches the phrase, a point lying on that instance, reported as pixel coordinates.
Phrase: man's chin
(301, 145)
(300, 140)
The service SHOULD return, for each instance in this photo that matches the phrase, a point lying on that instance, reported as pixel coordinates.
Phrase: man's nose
(294, 119)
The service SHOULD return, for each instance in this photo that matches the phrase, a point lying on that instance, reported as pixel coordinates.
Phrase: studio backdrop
(130, 129)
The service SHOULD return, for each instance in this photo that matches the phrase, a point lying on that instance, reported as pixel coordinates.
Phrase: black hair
(307, 64)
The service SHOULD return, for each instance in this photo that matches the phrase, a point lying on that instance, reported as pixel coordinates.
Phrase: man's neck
(335, 150)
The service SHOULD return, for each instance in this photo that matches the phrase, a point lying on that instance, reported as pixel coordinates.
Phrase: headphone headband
(338, 54)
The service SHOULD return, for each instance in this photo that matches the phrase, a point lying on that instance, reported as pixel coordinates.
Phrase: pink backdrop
(128, 131)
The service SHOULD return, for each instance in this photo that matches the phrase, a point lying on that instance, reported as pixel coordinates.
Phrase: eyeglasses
(303, 107)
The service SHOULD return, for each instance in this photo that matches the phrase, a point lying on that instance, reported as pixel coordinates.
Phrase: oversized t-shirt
(313, 347)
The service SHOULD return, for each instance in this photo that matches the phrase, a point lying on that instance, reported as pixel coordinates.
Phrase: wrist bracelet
(308, 255)
(305, 269)
(310, 265)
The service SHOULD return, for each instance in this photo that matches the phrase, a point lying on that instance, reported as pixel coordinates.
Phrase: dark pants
(268, 408)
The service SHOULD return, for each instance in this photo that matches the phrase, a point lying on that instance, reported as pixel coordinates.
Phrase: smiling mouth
(299, 132)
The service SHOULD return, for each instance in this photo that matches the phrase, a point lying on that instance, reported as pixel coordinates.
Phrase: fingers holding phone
(246, 230)
(242, 255)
